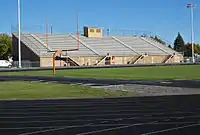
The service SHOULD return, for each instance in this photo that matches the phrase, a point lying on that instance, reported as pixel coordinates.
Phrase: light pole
(192, 6)
(19, 34)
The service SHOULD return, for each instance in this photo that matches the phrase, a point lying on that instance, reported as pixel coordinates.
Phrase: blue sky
(166, 18)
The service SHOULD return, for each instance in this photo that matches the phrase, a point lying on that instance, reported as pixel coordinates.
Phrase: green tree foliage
(170, 46)
(188, 49)
(179, 43)
(158, 40)
(5, 46)
(196, 48)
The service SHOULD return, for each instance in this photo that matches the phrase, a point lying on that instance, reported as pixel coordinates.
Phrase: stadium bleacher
(95, 46)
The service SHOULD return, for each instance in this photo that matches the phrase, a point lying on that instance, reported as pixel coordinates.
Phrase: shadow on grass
(104, 82)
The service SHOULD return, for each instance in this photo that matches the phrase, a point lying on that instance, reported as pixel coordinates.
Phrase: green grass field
(36, 90)
(190, 72)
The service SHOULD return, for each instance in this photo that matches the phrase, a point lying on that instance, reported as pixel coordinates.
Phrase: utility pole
(51, 29)
(192, 6)
(19, 35)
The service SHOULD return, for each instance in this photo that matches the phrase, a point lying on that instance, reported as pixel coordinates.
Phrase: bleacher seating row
(95, 46)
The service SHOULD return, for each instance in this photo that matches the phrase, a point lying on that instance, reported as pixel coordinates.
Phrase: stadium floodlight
(19, 35)
(192, 6)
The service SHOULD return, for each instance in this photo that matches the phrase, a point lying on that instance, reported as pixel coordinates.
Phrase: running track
(166, 115)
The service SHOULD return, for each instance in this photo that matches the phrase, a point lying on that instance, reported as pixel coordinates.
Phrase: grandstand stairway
(102, 60)
(140, 57)
(72, 62)
(67, 60)
(168, 58)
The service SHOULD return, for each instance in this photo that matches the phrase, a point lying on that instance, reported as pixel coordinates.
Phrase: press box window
(91, 30)
(98, 30)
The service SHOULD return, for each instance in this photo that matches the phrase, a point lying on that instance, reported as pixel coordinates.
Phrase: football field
(184, 72)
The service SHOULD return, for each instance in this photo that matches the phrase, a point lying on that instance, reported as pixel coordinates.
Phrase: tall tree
(188, 49)
(198, 48)
(179, 43)
(5, 46)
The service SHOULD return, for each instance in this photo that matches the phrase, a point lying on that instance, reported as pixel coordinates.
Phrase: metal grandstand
(116, 46)
(133, 45)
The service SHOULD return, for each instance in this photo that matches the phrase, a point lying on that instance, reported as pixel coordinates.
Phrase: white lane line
(170, 129)
(115, 128)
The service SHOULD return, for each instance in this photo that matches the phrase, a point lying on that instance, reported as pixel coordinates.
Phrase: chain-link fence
(106, 31)
(26, 64)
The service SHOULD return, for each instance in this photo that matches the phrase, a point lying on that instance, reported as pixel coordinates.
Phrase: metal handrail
(127, 46)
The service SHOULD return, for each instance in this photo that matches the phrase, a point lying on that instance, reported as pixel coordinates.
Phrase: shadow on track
(103, 82)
